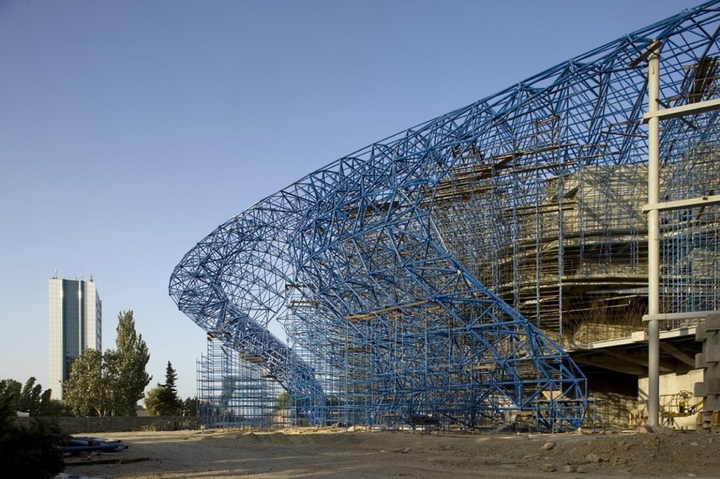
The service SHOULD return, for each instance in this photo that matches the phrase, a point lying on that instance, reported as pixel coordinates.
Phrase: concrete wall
(612, 397)
(620, 400)
(672, 384)
(92, 425)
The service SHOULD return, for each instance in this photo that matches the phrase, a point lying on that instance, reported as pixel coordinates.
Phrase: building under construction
(487, 266)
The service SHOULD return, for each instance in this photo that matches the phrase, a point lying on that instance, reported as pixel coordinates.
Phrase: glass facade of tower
(75, 324)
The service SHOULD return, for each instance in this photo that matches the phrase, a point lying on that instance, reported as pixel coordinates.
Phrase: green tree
(162, 400)
(27, 451)
(110, 384)
(190, 407)
(154, 400)
(131, 358)
(284, 401)
(52, 407)
(10, 391)
(171, 379)
(88, 392)
(31, 398)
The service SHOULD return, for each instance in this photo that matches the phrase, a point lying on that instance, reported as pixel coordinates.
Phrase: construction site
(505, 265)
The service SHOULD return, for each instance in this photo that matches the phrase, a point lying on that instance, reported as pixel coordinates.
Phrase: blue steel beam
(410, 256)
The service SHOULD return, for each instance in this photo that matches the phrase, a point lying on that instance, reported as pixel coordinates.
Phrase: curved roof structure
(426, 273)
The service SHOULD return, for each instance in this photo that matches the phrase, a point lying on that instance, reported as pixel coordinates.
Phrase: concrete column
(653, 241)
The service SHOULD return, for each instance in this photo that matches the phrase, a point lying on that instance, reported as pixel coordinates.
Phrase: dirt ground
(311, 453)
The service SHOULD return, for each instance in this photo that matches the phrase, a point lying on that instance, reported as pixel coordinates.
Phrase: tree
(88, 391)
(162, 400)
(132, 358)
(110, 384)
(10, 394)
(154, 401)
(27, 451)
(284, 401)
(52, 407)
(170, 379)
(30, 398)
(190, 407)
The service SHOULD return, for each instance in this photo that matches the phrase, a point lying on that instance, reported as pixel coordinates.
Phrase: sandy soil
(324, 454)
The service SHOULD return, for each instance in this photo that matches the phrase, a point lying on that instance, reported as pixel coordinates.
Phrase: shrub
(29, 451)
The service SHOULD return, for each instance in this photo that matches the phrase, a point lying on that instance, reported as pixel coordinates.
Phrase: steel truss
(423, 277)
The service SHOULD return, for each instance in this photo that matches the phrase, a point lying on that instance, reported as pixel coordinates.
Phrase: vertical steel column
(653, 240)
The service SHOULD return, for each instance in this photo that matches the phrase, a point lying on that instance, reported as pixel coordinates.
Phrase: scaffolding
(436, 276)
(235, 392)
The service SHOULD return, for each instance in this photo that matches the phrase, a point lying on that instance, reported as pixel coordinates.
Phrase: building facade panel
(75, 324)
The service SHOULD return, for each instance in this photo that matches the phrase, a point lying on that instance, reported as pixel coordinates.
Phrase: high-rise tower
(75, 317)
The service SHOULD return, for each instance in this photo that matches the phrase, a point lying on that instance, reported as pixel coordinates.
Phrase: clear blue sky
(130, 129)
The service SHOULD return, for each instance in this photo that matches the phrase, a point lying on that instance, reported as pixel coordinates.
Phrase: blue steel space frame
(364, 253)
